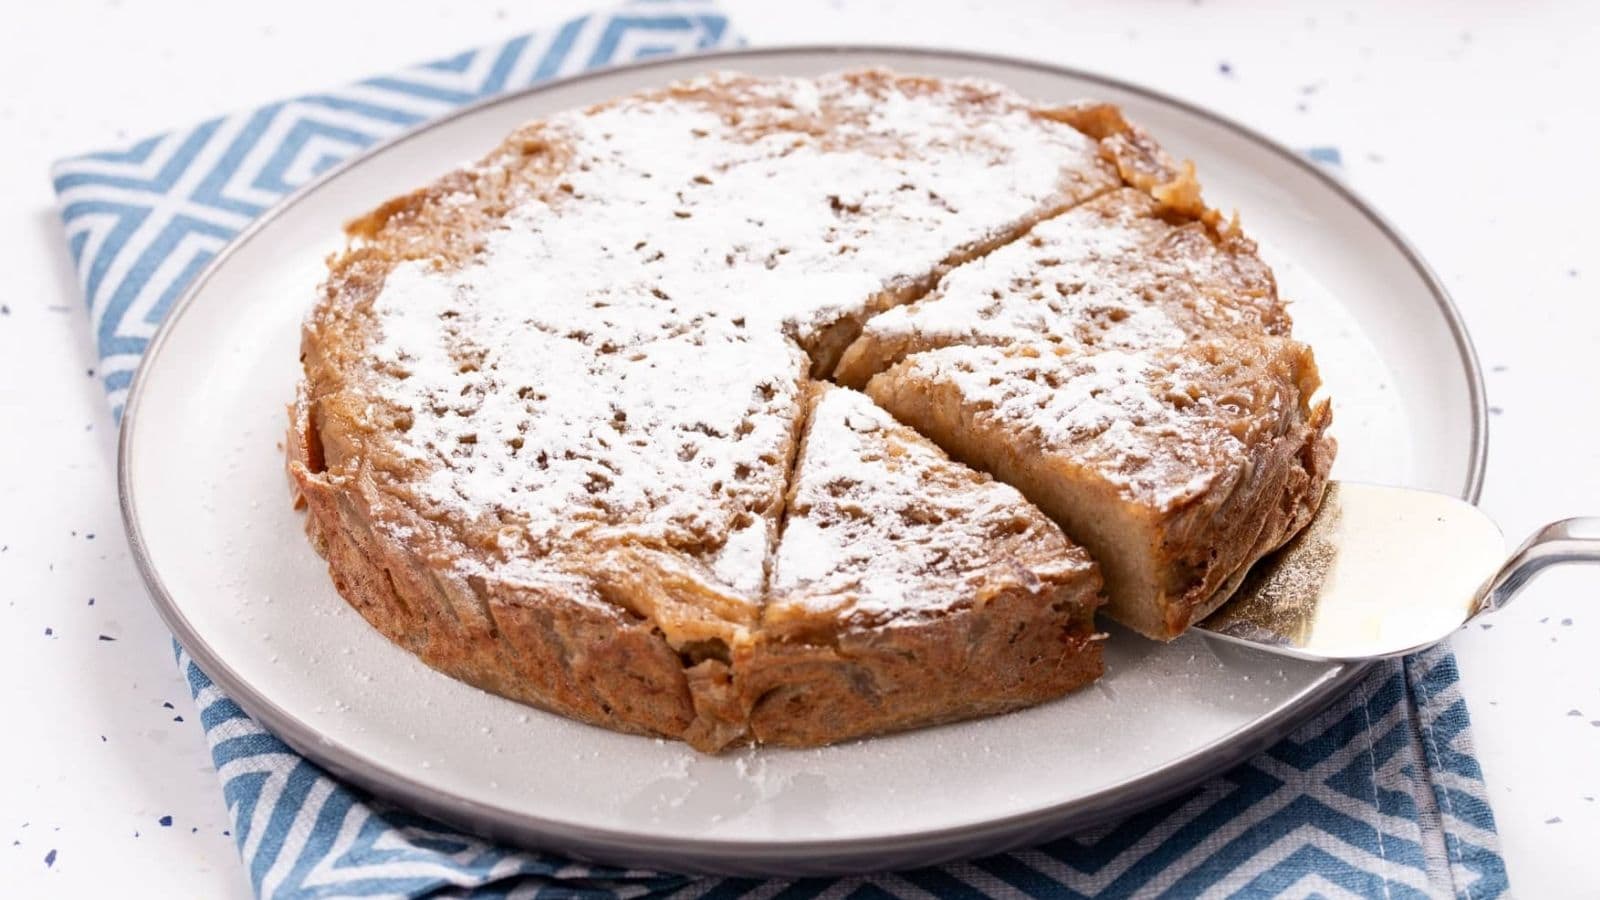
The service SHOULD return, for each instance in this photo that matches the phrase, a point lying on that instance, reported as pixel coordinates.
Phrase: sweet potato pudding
(566, 429)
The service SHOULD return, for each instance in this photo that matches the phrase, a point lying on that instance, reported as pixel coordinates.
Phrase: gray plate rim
(838, 856)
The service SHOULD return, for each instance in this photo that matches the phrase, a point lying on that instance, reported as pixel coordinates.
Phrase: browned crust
(1269, 502)
(1013, 651)
(1143, 164)
(539, 646)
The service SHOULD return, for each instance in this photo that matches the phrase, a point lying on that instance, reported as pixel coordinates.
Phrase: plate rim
(732, 855)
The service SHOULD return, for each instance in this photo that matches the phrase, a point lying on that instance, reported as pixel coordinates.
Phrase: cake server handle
(1566, 541)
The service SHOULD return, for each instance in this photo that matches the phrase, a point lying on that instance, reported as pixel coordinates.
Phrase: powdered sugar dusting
(1141, 422)
(1107, 274)
(882, 524)
(621, 355)
(661, 433)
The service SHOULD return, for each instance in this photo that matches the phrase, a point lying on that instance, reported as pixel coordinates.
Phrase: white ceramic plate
(207, 509)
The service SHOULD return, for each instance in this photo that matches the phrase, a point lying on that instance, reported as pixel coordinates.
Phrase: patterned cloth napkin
(1380, 795)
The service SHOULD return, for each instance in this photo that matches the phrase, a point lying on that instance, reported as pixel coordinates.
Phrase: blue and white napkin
(1380, 795)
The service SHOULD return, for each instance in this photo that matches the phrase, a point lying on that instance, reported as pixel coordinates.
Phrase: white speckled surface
(1423, 103)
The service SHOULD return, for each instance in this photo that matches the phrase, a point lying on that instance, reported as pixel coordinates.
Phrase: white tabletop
(1473, 127)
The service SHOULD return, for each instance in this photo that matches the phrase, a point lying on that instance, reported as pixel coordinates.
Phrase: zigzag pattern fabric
(1380, 795)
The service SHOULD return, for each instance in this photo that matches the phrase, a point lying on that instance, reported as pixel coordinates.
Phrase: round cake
(789, 411)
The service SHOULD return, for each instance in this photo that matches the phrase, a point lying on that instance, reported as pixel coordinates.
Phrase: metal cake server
(1384, 571)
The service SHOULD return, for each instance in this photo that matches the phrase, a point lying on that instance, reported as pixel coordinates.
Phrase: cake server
(1383, 571)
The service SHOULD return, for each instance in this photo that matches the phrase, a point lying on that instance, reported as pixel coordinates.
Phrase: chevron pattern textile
(1379, 796)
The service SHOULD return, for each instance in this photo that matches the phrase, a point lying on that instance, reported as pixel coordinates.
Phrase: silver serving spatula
(1383, 571)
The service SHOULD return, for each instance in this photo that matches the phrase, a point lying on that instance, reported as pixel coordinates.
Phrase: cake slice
(1177, 468)
(909, 589)
(1120, 271)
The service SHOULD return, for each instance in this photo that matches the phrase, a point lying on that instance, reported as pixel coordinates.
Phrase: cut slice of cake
(1176, 468)
(909, 589)
(1120, 271)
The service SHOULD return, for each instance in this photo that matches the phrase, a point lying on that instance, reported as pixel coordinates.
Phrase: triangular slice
(1177, 468)
(1120, 271)
(909, 589)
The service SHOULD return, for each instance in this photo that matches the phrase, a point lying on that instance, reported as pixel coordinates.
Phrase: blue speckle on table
(91, 601)
(1572, 273)
(1498, 368)
(48, 631)
(89, 536)
(1495, 410)
(107, 637)
(1567, 622)
(167, 704)
(1574, 712)
(1225, 69)
(4, 310)
(177, 718)
(165, 821)
(50, 859)
(1553, 820)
